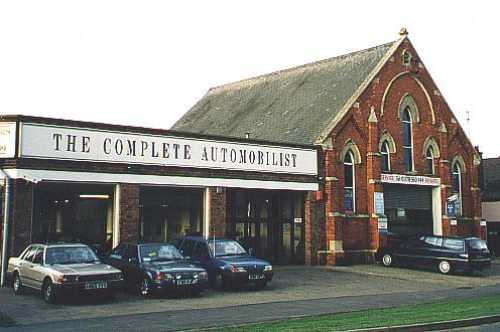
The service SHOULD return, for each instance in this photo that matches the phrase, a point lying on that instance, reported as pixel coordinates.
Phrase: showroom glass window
(349, 182)
(407, 139)
(385, 158)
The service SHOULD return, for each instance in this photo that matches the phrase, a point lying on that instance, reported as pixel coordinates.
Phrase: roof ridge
(282, 71)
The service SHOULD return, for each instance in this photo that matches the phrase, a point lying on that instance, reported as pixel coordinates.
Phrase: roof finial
(403, 32)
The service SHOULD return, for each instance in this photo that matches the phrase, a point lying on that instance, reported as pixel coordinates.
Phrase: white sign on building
(69, 143)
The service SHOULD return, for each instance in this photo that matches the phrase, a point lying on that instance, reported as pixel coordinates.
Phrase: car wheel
(146, 289)
(387, 260)
(444, 267)
(17, 285)
(48, 292)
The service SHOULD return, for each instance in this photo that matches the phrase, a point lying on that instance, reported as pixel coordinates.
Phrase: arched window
(429, 160)
(385, 157)
(457, 184)
(349, 182)
(407, 139)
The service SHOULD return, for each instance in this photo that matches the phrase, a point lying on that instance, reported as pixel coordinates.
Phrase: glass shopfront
(167, 214)
(70, 212)
(270, 222)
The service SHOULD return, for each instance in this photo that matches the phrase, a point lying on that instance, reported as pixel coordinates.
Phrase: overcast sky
(146, 63)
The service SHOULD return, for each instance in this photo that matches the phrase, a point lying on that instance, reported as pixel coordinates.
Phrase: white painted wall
(491, 211)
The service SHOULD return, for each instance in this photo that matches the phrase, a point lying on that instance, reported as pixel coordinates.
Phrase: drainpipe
(5, 231)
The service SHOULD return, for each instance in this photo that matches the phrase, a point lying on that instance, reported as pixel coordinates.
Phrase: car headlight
(201, 275)
(117, 276)
(163, 276)
(268, 268)
(63, 279)
(236, 269)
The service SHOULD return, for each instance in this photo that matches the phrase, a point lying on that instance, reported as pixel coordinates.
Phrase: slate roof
(491, 179)
(293, 105)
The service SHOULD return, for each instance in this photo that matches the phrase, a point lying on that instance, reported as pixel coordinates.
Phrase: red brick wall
(355, 231)
(218, 212)
(129, 212)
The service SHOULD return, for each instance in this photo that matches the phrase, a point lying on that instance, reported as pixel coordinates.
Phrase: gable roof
(491, 179)
(295, 105)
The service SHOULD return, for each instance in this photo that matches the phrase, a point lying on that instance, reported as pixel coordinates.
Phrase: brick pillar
(330, 230)
(445, 175)
(373, 170)
(476, 213)
(21, 215)
(309, 228)
(129, 213)
(217, 211)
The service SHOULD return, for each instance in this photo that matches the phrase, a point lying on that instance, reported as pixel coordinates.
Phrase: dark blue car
(228, 264)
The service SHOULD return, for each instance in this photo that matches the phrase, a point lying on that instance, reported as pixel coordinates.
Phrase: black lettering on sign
(204, 155)
(85, 144)
(71, 143)
(119, 147)
(144, 147)
(57, 138)
(130, 148)
(187, 151)
(154, 153)
(166, 154)
(106, 146)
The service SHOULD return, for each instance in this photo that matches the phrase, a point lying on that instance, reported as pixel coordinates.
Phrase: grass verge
(403, 315)
(5, 320)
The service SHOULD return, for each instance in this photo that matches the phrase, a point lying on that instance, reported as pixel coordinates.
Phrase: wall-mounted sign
(379, 202)
(382, 224)
(482, 223)
(7, 139)
(453, 222)
(297, 220)
(410, 179)
(69, 143)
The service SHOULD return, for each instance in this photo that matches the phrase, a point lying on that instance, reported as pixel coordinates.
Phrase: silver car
(60, 269)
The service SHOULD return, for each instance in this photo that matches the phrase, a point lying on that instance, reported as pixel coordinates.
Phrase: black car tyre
(17, 285)
(146, 288)
(48, 292)
(444, 267)
(387, 260)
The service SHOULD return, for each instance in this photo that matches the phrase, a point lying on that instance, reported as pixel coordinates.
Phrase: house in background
(491, 201)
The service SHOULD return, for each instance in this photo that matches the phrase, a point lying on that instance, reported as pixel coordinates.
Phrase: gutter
(5, 233)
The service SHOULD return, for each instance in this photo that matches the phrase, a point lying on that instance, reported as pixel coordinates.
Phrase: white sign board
(453, 222)
(68, 143)
(379, 202)
(7, 139)
(482, 223)
(410, 179)
(382, 224)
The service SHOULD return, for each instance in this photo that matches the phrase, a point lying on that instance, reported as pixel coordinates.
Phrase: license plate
(96, 285)
(256, 277)
(187, 282)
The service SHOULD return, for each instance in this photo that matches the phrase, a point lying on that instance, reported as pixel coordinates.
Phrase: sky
(146, 63)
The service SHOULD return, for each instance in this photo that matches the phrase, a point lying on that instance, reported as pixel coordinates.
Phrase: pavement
(296, 291)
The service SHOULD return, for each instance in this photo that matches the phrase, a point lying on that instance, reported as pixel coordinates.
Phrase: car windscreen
(70, 255)
(159, 252)
(477, 244)
(226, 248)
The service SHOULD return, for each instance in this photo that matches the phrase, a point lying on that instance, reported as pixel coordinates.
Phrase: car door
(25, 266)
(37, 270)
(131, 266)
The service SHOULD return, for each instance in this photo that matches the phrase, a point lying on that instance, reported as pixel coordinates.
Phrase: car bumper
(174, 285)
(82, 287)
(245, 277)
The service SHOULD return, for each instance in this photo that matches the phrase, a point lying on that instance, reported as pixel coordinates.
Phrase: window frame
(430, 159)
(407, 124)
(460, 183)
(385, 154)
(351, 164)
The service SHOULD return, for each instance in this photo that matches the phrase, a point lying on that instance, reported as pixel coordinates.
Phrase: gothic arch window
(429, 160)
(406, 122)
(349, 182)
(385, 157)
(456, 173)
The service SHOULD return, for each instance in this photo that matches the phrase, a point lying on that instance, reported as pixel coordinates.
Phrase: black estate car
(155, 267)
(446, 253)
(227, 262)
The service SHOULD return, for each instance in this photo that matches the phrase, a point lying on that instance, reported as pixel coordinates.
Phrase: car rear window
(454, 244)
(477, 244)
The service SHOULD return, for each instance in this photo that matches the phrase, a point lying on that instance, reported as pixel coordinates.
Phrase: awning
(35, 176)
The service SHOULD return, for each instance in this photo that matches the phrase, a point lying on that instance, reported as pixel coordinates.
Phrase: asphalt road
(299, 291)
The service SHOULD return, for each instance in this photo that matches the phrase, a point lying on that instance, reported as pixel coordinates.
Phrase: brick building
(392, 156)
(490, 201)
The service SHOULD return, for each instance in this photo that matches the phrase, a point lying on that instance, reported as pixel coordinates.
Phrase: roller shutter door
(407, 197)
